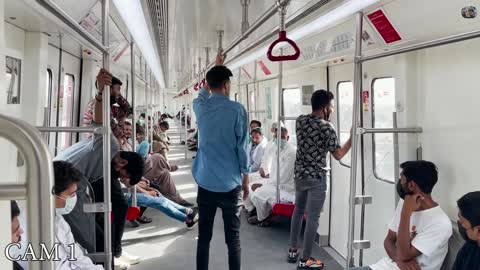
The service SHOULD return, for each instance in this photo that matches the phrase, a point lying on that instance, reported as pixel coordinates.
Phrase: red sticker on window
(384, 26)
(264, 68)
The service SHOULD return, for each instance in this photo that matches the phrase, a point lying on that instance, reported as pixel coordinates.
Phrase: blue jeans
(161, 203)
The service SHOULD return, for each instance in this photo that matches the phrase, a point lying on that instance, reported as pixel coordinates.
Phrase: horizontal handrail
(390, 130)
(13, 192)
(96, 130)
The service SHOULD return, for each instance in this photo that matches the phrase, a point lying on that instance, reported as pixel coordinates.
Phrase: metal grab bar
(53, 8)
(96, 130)
(38, 186)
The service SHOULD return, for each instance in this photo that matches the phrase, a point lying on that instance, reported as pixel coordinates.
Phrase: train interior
(50, 73)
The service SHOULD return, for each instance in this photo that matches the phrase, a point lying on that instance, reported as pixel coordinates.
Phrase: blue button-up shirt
(222, 147)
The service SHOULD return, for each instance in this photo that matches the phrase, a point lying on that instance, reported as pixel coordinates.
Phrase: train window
(344, 114)
(292, 104)
(383, 106)
(13, 76)
(66, 110)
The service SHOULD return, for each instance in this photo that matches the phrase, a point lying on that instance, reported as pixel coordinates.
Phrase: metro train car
(330, 134)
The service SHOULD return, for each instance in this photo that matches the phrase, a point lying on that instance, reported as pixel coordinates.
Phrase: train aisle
(167, 244)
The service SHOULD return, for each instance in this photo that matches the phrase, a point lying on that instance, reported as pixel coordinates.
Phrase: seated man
(157, 171)
(469, 226)
(264, 191)
(87, 157)
(125, 144)
(17, 230)
(418, 235)
(255, 149)
(64, 189)
(255, 124)
(143, 146)
(150, 197)
(162, 133)
(270, 150)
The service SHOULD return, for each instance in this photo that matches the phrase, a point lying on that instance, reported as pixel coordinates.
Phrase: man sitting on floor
(418, 235)
(264, 189)
(469, 226)
(152, 198)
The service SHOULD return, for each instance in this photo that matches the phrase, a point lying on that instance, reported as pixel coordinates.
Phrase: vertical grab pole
(134, 126)
(279, 127)
(185, 122)
(282, 11)
(146, 101)
(355, 139)
(396, 156)
(149, 105)
(107, 194)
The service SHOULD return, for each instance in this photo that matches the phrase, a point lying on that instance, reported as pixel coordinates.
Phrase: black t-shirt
(17, 266)
(468, 258)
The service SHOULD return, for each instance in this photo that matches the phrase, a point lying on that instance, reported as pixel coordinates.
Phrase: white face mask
(70, 203)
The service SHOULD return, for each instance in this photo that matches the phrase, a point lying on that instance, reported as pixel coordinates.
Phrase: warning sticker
(384, 26)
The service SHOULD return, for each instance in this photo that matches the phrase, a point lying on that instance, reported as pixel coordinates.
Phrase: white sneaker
(129, 259)
(119, 264)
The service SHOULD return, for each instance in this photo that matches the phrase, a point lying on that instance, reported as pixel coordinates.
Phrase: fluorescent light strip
(321, 23)
(132, 14)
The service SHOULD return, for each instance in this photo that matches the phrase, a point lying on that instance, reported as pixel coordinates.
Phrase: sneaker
(129, 259)
(309, 264)
(119, 264)
(192, 218)
(292, 255)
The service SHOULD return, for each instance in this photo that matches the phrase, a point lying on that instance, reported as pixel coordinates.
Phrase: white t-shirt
(430, 230)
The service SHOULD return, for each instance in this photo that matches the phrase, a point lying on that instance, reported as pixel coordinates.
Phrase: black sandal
(144, 220)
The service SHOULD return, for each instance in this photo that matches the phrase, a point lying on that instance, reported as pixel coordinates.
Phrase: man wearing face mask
(220, 162)
(316, 137)
(418, 235)
(64, 191)
(469, 226)
(264, 192)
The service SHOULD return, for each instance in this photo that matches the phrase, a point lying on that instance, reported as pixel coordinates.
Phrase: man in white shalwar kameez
(256, 149)
(264, 189)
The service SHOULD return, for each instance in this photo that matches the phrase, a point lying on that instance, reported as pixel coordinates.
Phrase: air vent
(159, 15)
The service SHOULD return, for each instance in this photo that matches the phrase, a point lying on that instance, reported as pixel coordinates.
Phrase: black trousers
(230, 203)
(119, 210)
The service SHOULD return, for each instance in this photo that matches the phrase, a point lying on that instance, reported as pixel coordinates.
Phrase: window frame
(19, 86)
(338, 114)
(374, 147)
(290, 132)
(59, 141)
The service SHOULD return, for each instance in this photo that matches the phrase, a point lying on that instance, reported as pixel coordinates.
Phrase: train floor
(167, 244)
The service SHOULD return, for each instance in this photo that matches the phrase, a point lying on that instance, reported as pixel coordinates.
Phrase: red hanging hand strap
(282, 37)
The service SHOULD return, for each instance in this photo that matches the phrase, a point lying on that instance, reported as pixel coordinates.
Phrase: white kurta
(64, 237)
(255, 156)
(264, 197)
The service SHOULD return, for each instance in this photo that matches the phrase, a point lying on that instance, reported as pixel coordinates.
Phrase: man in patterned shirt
(316, 136)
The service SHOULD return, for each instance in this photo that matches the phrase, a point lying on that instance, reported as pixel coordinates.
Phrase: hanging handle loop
(282, 37)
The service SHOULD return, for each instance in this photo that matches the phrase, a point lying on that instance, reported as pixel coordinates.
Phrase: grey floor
(166, 244)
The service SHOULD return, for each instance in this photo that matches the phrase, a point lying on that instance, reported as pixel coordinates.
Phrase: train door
(64, 97)
(341, 85)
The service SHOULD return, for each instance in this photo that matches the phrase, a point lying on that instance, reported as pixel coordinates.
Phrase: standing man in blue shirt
(220, 167)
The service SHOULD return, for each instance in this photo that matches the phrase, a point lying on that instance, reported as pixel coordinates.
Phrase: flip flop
(144, 220)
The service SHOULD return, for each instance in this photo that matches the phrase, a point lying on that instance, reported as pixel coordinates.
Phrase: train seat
(284, 210)
(454, 245)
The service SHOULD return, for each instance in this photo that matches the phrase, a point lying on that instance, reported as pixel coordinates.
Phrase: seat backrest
(454, 245)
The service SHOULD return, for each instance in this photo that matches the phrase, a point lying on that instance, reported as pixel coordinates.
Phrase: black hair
(469, 207)
(256, 130)
(421, 172)
(15, 212)
(140, 129)
(164, 115)
(217, 76)
(134, 166)
(259, 124)
(165, 124)
(116, 80)
(127, 123)
(65, 176)
(142, 115)
(321, 99)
